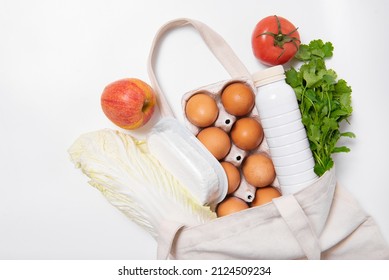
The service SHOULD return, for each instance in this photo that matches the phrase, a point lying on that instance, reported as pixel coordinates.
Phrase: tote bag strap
(299, 225)
(215, 43)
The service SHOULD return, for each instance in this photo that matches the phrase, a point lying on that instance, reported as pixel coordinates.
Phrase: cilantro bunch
(324, 102)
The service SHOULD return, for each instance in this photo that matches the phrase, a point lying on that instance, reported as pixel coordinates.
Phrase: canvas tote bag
(323, 221)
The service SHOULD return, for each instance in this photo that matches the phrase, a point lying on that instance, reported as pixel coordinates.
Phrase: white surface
(57, 56)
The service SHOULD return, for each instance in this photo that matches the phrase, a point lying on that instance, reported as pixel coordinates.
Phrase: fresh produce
(201, 110)
(275, 40)
(128, 103)
(324, 102)
(123, 170)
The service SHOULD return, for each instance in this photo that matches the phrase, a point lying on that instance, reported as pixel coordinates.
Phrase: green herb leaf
(348, 134)
(328, 49)
(315, 49)
(342, 149)
(303, 53)
(292, 77)
(324, 102)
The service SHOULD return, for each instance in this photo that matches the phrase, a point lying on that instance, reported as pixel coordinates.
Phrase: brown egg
(247, 133)
(201, 110)
(238, 99)
(230, 205)
(216, 141)
(264, 195)
(258, 169)
(233, 176)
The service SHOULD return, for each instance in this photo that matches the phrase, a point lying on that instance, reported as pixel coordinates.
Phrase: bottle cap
(269, 75)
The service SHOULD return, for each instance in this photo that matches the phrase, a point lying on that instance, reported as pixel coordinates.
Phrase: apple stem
(145, 105)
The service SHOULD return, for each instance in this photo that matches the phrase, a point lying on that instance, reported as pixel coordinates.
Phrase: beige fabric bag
(323, 221)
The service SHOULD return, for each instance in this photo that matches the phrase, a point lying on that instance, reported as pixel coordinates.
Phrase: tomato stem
(280, 38)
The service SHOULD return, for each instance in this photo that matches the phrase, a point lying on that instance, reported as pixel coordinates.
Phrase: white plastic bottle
(285, 133)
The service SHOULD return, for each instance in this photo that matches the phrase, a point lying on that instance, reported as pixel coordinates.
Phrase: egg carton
(225, 121)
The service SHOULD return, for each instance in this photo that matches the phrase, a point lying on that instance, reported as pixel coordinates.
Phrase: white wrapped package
(183, 155)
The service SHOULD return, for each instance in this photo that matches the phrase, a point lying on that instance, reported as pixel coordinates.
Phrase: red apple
(128, 103)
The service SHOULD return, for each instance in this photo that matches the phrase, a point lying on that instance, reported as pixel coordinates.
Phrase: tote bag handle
(215, 43)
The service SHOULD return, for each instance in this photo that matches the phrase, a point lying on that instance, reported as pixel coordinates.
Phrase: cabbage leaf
(123, 170)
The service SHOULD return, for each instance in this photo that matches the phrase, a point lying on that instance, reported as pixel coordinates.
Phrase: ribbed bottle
(285, 133)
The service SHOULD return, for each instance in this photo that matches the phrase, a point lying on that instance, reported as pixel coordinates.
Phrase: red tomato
(275, 40)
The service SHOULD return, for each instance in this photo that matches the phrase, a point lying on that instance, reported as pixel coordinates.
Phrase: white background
(57, 56)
